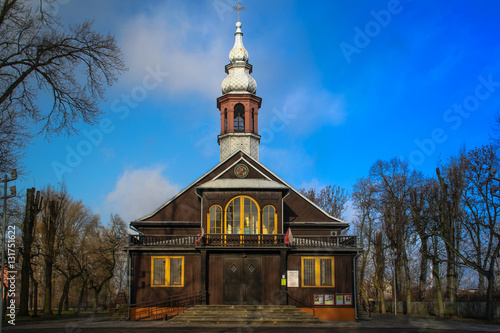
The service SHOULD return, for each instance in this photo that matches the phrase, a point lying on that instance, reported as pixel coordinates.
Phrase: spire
(239, 105)
(238, 80)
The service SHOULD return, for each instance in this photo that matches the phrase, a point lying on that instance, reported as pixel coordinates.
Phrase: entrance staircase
(245, 315)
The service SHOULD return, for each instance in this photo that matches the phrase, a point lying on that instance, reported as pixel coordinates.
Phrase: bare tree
(33, 208)
(332, 198)
(38, 56)
(52, 223)
(364, 196)
(481, 223)
(394, 182)
(107, 244)
(450, 216)
(79, 221)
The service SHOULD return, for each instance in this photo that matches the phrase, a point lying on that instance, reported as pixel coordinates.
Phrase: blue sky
(343, 84)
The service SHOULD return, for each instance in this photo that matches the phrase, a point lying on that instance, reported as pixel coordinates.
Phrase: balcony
(240, 240)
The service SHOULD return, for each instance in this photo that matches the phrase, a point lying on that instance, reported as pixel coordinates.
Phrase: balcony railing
(241, 240)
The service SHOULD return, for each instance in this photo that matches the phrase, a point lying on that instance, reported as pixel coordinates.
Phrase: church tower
(239, 105)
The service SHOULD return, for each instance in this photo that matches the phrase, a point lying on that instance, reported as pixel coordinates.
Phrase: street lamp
(5, 181)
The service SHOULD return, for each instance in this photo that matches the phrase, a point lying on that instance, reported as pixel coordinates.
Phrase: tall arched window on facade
(239, 118)
(215, 220)
(242, 216)
(269, 220)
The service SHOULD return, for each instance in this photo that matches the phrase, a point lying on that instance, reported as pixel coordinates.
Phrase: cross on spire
(239, 8)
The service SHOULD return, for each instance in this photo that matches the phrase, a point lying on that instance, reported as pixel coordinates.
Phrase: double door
(242, 281)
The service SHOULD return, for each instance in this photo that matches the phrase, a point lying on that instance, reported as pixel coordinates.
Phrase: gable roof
(220, 181)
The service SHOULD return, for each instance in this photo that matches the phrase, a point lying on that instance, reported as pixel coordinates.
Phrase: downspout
(129, 272)
(283, 211)
(129, 281)
(286, 255)
(201, 212)
(355, 279)
(203, 292)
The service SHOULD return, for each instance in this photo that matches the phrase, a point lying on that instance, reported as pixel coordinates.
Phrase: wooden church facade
(239, 234)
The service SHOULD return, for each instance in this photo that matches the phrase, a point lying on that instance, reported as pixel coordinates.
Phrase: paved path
(380, 323)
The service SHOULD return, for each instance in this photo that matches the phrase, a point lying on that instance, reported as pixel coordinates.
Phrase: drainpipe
(203, 256)
(201, 213)
(283, 211)
(129, 281)
(355, 279)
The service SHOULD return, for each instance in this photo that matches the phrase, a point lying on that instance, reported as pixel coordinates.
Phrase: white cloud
(139, 192)
(189, 50)
(313, 183)
(313, 109)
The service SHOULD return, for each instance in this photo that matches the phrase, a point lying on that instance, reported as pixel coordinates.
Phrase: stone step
(244, 314)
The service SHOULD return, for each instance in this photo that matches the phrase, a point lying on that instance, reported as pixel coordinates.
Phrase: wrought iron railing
(244, 240)
(238, 240)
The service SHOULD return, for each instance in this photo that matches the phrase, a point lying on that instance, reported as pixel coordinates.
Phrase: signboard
(343, 299)
(319, 299)
(293, 278)
(329, 300)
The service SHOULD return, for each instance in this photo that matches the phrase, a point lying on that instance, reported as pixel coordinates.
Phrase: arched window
(239, 118)
(242, 216)
(269, 220)
(215, 220)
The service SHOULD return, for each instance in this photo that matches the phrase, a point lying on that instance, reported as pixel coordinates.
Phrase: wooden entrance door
(242, 281)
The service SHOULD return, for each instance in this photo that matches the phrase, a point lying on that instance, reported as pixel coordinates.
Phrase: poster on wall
(348, 299)
(293, 278)
(329, 300)
(339, 300)
(319, 299)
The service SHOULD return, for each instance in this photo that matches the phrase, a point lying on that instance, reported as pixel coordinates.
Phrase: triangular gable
(186, 206)
(294, 192)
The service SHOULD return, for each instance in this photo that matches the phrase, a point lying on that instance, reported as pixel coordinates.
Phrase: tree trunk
(33, 207)
(437, 279)
(64, 295)
(422, 283)
(35, 295)
(451, 275)
(380, 291)
(66, 302)
(490, 311)
(96, 297)
(80, 298)
(47, 297)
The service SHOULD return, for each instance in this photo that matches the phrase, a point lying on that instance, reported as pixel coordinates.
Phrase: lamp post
(5, 181)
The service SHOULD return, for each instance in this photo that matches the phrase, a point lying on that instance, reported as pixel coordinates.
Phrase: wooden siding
(195, 230)
(297, 209)
(343, 279)
(141, 282)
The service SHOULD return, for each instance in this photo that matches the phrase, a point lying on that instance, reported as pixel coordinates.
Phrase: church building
(240, 235)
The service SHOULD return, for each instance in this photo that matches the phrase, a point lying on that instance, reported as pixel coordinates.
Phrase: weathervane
(239, 8)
